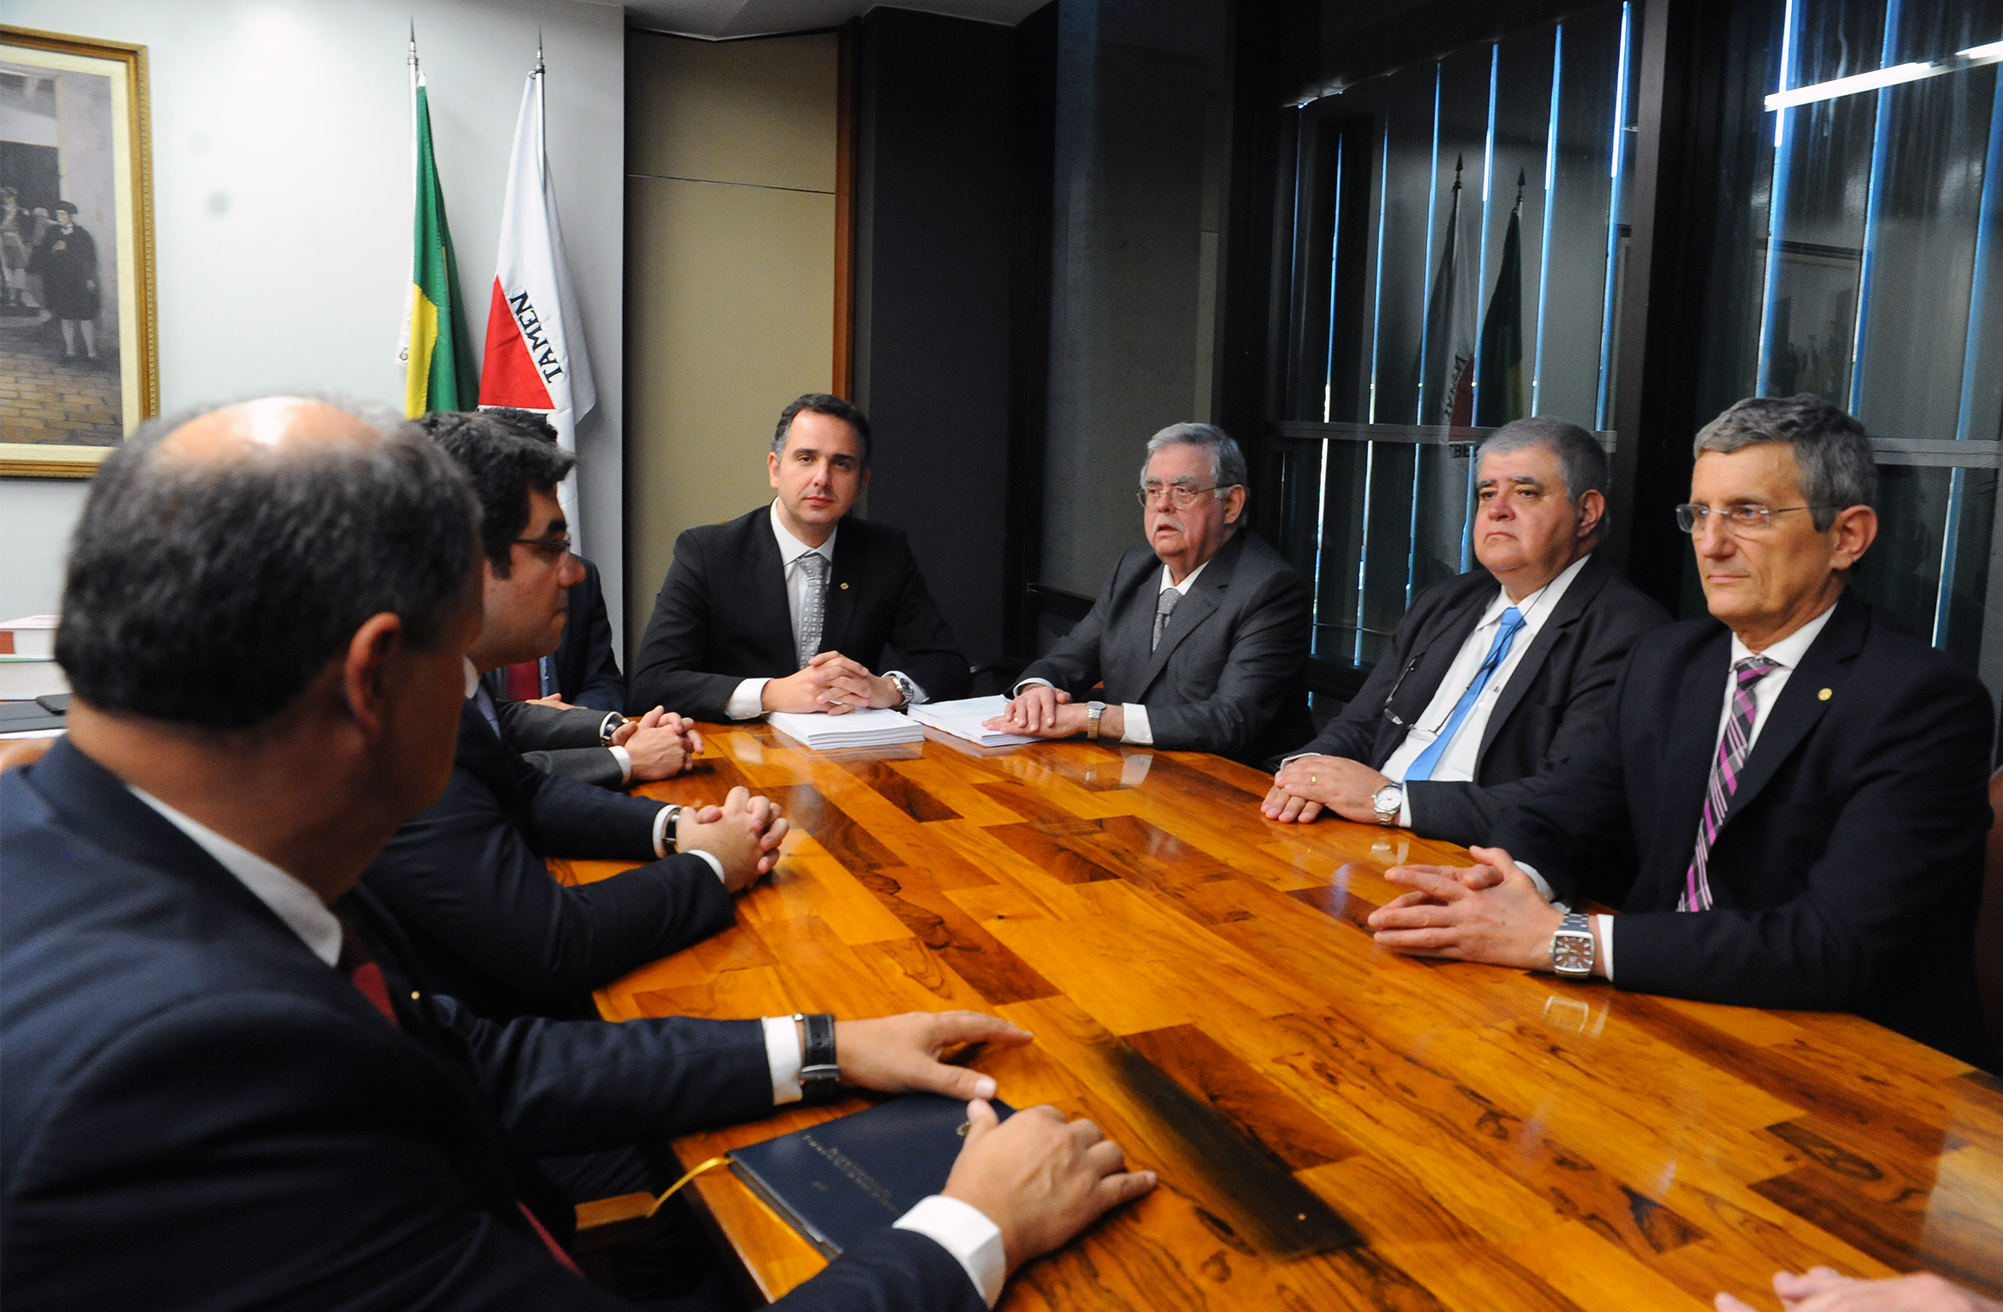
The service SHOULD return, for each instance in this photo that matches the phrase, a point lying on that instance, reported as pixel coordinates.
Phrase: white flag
(535, 356)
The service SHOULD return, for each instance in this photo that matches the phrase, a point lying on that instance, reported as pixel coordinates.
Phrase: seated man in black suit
(1200, 636)
(227, 1085)
(1487, 689)
(789, 607)
(582, 671)
(467, 877)
(1788, 800)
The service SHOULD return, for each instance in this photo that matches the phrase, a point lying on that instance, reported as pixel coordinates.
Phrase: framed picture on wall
(78, 339)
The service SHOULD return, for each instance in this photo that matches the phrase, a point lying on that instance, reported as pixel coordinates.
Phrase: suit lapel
(851, 567)
(1693, 738)
(1571, 608)
(1824, 665)
(771, 616)
(1196, 606)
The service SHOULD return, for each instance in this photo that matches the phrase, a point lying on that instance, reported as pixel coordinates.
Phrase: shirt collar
(1787, 653)
(1187, 583)
(1538, 602)
(791, 548)
(291, 901)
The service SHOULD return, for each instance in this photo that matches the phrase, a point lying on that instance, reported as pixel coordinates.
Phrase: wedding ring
(1311, 778)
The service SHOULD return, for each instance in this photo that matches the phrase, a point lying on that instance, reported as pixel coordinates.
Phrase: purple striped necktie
(1726, 767)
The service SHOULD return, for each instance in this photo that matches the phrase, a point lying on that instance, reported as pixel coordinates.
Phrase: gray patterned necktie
(1165, 602)
(813, 606)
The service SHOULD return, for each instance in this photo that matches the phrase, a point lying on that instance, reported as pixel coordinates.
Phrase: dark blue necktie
(1429, 760)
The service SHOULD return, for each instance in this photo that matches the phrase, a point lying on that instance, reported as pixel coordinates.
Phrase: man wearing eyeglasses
(1788, 800)
(467, 877)
(1494, 677)
(1200, 637)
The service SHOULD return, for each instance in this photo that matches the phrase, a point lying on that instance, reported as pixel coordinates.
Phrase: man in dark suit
(467, 877)
(226, 1086)
(1200, 636)
(1788, 800)
(790, 607)
(1486, 689)
(582, 671)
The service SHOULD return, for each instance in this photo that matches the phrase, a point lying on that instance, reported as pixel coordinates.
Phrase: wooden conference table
(1334, 1125)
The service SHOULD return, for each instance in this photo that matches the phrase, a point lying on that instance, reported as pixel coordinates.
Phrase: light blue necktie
(1422, 768)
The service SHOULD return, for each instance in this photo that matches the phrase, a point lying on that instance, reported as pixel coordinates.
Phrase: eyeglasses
(1736, 519)
(1180, 495)
(553, 550)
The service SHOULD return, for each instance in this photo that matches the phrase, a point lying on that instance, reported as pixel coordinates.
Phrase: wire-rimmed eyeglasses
(1180, 495)
(550, 549)
(1736, 519)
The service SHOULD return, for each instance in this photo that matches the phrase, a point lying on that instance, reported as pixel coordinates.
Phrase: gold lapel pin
(844, 587)
(1824, 695)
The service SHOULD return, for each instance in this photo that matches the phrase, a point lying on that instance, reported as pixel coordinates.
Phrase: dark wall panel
(935, 194)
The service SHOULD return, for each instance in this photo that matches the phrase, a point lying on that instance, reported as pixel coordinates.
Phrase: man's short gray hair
(1582, 461)
(1227, 462)
(1830, 448)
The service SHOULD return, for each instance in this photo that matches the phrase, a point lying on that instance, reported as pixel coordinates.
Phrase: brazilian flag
(1500, 396)
(439, 372)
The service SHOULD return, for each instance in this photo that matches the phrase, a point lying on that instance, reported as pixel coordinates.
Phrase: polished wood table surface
(1334, 1125)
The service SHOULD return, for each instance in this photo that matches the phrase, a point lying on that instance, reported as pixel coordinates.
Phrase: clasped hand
(1489, 912)
(744, 834)
(1041, 711)
(833, 683)
(1306, 784)
(660, 743)
(1040, 1177)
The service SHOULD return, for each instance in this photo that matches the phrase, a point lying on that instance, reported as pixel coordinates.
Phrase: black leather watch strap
(820, 1073)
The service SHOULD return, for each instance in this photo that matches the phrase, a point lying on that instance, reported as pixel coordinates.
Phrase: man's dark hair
(210, 594)
(503, 464)
(1838, 469)
(532, 422)
(1581, 458)
(821, 403)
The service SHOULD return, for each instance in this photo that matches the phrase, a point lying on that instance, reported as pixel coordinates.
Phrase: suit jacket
(1849, 865)
(200, 1113)
(721, 616)
(587, 673)
(491, 927)
(1227, 677)
(1553, 703)
(557, 741)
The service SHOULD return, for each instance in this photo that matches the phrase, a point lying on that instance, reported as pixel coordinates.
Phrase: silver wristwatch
(1388, 802)
(907, 689)
(1572, 946)
(609, 726)
(1094, 711)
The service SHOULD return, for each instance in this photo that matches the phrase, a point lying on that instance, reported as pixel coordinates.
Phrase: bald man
(225, 1088)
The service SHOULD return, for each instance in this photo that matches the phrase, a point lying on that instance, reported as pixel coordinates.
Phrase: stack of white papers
(834, 733)
(964, 719)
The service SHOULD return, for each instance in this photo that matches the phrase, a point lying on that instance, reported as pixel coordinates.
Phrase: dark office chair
(1989, 925)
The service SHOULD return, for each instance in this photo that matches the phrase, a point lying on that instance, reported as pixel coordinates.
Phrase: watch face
(1388, 798)
(1572, 950)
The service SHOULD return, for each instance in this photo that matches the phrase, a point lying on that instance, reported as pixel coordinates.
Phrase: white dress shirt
(1786, 655)
(1136, 728)
(747, 700)
(962, 1230)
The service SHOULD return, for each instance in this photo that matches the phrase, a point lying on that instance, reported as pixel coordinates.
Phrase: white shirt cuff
(1404, 807)
(748, 702)
(625, 760)
(662, 843)
(782, 1057)
(1543, 886)
(1138, 730)
(1029, 683)
(1605, 924)
(918, 697)
(966, 1232)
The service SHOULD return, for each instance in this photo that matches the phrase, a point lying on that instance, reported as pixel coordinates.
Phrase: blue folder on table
(840, 1180)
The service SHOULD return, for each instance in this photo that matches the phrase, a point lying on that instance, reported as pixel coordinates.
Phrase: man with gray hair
(1486, 689)
(1787, 800)
(1200, 637)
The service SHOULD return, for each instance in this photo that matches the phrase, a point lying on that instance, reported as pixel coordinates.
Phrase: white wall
(281, 157)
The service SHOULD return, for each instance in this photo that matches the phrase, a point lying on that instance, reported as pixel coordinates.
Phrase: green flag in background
(439, 372)
(1499, 393)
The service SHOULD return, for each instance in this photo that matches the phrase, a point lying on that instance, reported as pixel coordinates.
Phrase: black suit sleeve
(923, 641)
(1267, 653)
(668, 671)
(462, 873)
(1919, 813)
(1465, 812)
(560, 742)
(1353, 734)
